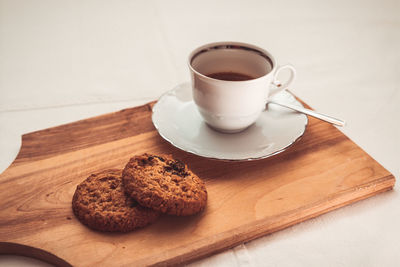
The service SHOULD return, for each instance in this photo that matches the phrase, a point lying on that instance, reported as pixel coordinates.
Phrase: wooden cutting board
(323, 171)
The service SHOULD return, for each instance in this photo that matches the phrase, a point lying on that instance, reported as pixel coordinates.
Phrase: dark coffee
(230, 76)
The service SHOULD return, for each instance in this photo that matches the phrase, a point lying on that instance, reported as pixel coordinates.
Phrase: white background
(61, 61)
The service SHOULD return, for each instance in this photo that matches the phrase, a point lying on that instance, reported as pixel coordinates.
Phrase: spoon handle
(310, 112)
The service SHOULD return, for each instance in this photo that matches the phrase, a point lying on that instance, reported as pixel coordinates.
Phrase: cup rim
(246, 46)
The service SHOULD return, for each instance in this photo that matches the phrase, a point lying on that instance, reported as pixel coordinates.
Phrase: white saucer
(177, 120)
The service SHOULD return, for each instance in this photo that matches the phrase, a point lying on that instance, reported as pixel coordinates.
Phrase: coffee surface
(230, 76)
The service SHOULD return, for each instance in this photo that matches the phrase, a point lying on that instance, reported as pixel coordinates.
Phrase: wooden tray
(321, 172)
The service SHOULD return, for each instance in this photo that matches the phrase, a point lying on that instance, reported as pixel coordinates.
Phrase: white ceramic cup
(232, 106)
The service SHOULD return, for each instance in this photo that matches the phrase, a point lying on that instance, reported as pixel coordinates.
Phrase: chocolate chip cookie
(100, 202)
(164, 184)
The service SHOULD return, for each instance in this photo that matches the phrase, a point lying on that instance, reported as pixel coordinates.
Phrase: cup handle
(282, 86)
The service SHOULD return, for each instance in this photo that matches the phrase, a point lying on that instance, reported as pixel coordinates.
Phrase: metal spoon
(310, 112)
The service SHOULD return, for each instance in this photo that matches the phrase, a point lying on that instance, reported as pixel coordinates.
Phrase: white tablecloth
(61, 61)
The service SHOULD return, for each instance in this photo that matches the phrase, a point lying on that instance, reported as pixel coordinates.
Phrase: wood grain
(321, 172)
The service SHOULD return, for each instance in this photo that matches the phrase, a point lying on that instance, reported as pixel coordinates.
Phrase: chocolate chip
(131, 203)
(160, 158)
(168, 168)
(113, 186)
(178, 166)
